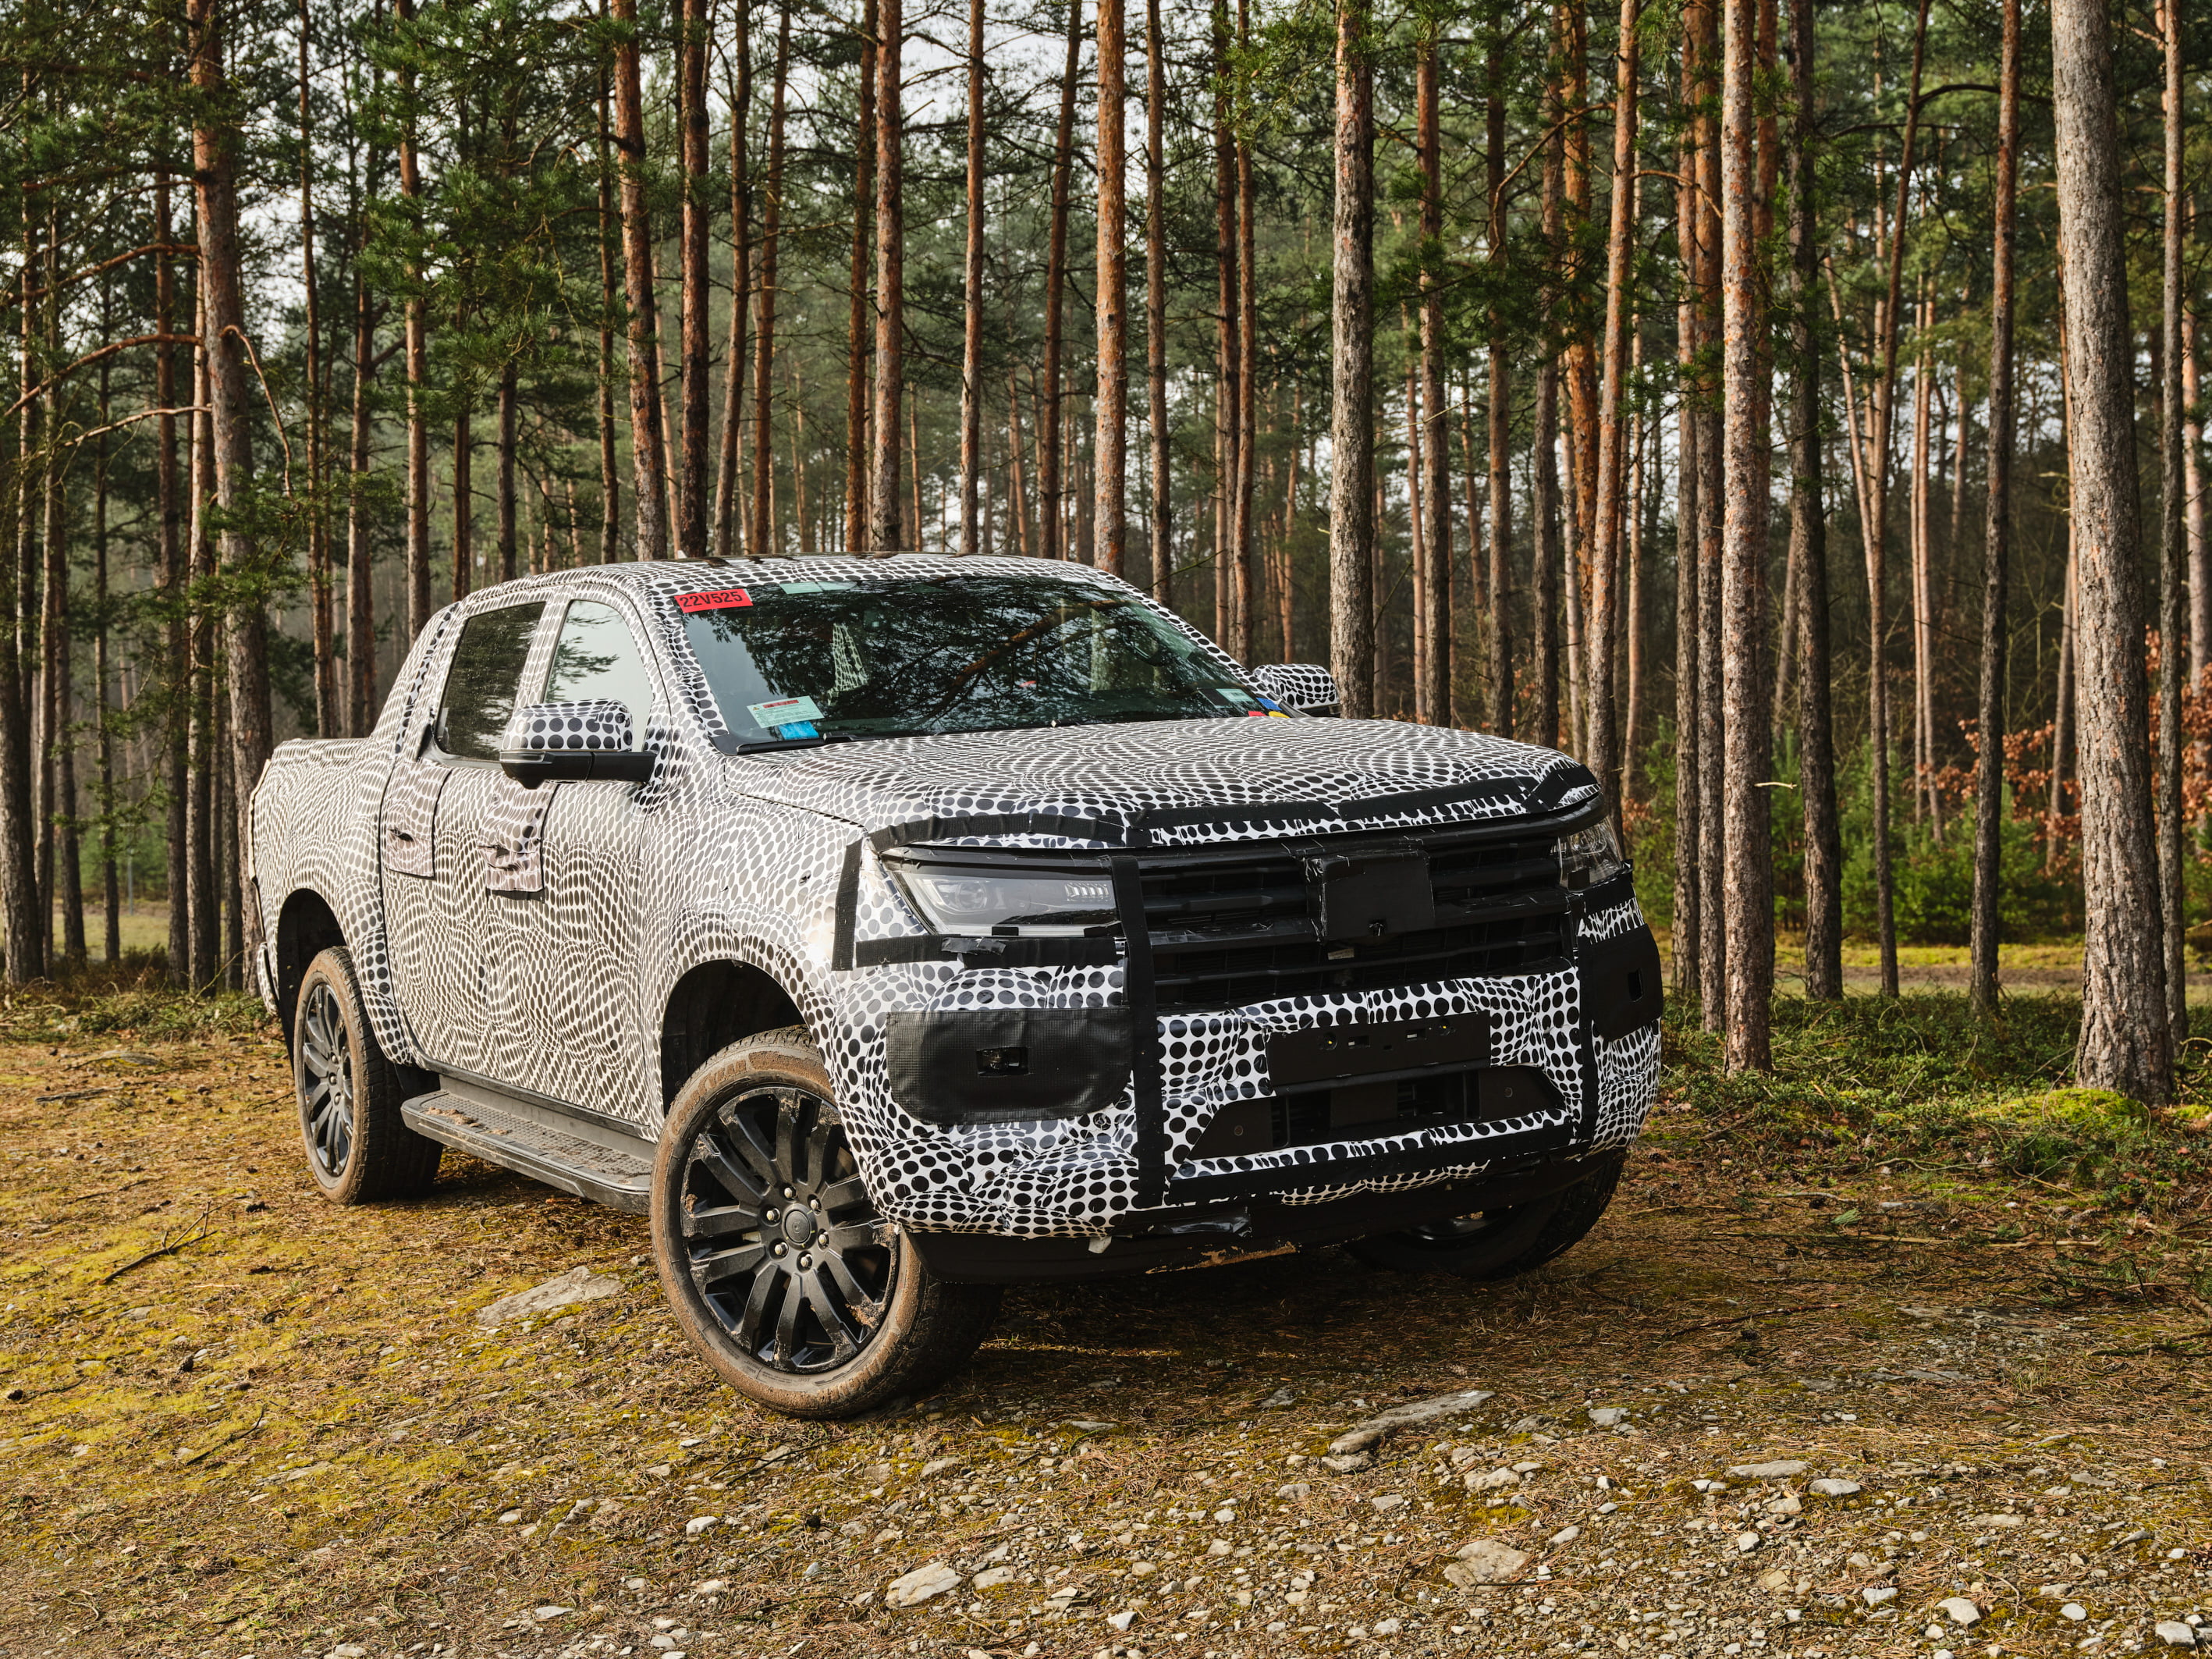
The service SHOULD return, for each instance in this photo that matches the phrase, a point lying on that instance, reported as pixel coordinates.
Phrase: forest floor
(237, 1421)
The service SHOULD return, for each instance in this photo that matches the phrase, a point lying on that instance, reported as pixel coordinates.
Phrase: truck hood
(1168, 782)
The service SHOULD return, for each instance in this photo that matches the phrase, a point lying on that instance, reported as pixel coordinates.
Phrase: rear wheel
(1494, 1244)
(776, 1259)
(359, 1149)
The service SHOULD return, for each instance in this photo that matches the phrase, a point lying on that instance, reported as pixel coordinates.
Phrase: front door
(446, 797)
(573, 994)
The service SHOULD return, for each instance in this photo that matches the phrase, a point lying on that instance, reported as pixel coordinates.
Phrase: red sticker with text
(721, 598)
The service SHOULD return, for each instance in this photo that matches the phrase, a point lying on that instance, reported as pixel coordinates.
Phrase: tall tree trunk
(859, 450)
(696, 328)
(205, 898)
(1498, 613)
(1997, 533)
(464, 534)
(510, 398)
(103, 725)
(761, 542)
(1546, 555)
(971, 353)
(2192, 479)
(885, 530)
(1608, 528)
(1244, 583)
(2172, 548)
(2126, 1040)
(177, 641)
(360, 592)
(609, 479)
(417, 325)
(63, 883)
(727, 533)
(1155, 307)
(330, 710)
(1750, 866)
(1702, 23)
(1689, 426)
(1352, 420)
(1637, 604)
(1432, 700)
(1017, 499)
(647, 440)
(2062, 718)
(1809, 542)
(1050, 466)
(1110, 455)
(230, 387)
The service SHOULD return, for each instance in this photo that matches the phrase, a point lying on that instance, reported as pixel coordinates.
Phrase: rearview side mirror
(580, 741)
(1305, 686)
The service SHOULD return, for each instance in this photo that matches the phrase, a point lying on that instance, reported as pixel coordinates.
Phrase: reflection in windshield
(955, 653)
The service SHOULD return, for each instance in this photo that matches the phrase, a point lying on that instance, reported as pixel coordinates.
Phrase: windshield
(789, 661)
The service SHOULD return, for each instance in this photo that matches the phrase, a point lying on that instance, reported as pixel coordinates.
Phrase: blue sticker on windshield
(798, 729)
(784, 711)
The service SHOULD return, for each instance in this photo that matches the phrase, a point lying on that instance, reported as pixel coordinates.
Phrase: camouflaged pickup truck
(887, 931)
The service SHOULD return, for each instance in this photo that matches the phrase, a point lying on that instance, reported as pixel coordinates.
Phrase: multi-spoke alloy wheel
(326, 1081)
(359, 1148)
(1502, 1243)
(780, 1240)
(777, 1262)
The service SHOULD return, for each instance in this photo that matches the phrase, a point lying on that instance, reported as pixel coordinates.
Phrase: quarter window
(596, 660)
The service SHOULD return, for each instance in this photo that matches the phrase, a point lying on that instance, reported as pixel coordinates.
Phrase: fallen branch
(1739, 1319)
(193, 1234)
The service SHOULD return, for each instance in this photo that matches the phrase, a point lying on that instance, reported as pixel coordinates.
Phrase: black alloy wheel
(327, 1084)
(780, 1239)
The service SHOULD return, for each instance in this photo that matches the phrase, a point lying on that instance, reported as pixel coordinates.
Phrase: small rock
(1294, 1490)
(710, 1587)
(1346, 1464)
(1833, 1488)
(1273, 1403)
(1388, 1502)
(1565, 1536)
(1786, 1504)
(1387, 1627)
(1220, 1546)
(2175, 1633)
(938, 1465)
(1781, 1469)
(550, 1613)
(1774, 1580)
(914, 1587)
(1745, 1542)
(1959, 1610)
(1997, 1522)
(699, 1523)
(1875, 1594)
(1487, 1561)
(1124, 1619)
(510, 1517)
(1608, 1417)
(2075, 1610)
(1492, 1481)
(577, 1285)
(1359, 1440)
(992, 1577)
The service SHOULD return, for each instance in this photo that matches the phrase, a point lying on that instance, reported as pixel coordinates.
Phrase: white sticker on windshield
(1242, 699)
(783, 711)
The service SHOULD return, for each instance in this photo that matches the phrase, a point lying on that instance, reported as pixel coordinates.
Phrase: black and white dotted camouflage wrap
(602, 726)
(535, 936)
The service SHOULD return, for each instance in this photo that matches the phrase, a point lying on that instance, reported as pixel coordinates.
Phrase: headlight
(976, 899)
(1588, 857)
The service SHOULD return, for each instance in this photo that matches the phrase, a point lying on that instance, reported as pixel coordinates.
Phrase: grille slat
(1228, 932)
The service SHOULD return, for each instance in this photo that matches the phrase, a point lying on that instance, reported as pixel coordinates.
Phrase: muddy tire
(781, 1270)
(359, 1149)
(1495, 1244)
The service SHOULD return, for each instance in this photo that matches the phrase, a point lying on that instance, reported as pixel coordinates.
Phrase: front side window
(596, 660)
(902, 657)
(482, 683)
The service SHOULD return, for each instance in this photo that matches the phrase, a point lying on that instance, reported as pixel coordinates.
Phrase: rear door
(452, 823)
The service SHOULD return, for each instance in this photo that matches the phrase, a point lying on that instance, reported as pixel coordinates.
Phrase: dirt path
(239, 1422)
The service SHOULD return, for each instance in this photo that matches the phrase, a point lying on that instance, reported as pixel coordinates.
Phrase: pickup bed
(888, 931)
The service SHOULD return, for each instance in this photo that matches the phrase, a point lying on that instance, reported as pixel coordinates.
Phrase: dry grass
(279, 1428)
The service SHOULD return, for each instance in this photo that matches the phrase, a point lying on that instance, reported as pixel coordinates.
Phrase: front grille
(1235, 930)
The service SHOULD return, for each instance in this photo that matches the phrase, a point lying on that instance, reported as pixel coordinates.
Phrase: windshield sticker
(1267, 713)
(814, 587)
(786, 711)
(1235, 696)
(721, 598)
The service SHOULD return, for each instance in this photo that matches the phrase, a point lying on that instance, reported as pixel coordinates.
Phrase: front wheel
(778, 1264)
(1495, 1244)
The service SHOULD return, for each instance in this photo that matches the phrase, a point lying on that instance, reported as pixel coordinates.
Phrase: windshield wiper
(814, 742)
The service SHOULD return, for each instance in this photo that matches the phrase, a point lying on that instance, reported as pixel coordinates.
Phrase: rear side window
(596, 660)
(480, 685)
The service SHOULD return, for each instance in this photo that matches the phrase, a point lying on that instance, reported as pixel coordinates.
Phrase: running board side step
(620, 1179)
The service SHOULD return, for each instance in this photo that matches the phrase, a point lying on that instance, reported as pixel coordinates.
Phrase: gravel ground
(1795, 1409)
